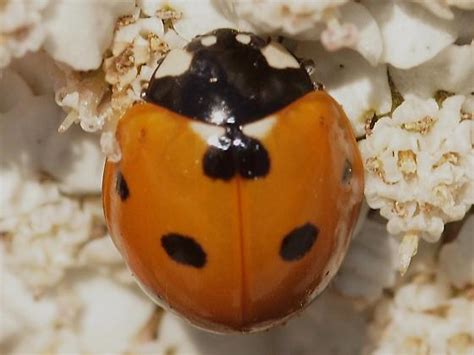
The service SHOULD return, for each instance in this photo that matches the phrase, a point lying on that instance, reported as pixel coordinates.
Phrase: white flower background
(403, 72)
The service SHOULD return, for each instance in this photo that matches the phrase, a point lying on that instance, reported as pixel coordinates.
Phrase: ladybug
(239, 185)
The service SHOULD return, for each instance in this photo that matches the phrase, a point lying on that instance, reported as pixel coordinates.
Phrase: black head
(228, 78)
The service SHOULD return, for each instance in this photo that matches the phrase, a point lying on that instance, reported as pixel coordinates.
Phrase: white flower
(112, 314)
(411, 34)
(46, 229)
(32, 145)
(38, 71)
(87, 313)
(452, 70)
(424, 317)
(20, 309)
(66, 286)
(442, 8)
(25, 128)
(22, 134)
(78, 33)
(137, 46)
(75, 33)
(368, 40)
(360, 88)
(419, 166)
(80, 153)
(102, 256)
(464, 20)
(337, 24)
(303, 19)
(371, 249)
(21, 29)
(174, 40)
(46, 241)
(457, 259)
(84, 97)
(197, 17)
(98, 99)
(150, 8)
(321, 328)
(187, 16)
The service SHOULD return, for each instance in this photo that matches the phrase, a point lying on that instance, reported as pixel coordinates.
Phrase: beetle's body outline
(235, 221)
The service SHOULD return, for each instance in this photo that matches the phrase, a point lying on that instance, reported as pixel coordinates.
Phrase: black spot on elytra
(218, 161)
(231, 79)
(121, 186)
(298, 242)
(253, 159)
(184, 250)
(236, 153)
(346, 172)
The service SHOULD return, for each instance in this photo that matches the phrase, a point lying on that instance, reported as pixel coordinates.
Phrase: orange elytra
(239, 185)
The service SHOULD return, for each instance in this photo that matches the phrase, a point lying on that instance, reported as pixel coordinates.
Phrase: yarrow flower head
(419, 167)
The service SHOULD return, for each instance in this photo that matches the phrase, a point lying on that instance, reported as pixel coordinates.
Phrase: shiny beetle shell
(239, 184)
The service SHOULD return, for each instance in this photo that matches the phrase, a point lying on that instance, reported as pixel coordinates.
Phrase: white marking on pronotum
(261, 128)
(207, 131)
(243, 38)
(278, 57)
(176, 63)
(208, 40)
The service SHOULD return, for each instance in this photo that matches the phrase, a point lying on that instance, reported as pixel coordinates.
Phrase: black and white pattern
(230, 79)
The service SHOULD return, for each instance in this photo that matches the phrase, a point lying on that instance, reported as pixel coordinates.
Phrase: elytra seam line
(242, 252)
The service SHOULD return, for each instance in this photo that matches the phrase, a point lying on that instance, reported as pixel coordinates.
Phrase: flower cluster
(30, 25)
(432, 313)
(420, 166)
(411, 105)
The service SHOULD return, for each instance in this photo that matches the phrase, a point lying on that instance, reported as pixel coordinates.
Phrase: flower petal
(369, 39)
(78, 33)
(451, 70)
(411, 34)
(360, 88)
(192, 21)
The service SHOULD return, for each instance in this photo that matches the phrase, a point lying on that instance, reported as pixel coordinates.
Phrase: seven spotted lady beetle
(239, 185)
